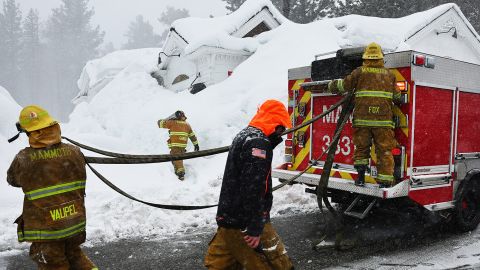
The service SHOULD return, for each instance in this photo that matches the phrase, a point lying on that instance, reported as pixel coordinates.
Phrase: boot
(181, 176)
(360, 181)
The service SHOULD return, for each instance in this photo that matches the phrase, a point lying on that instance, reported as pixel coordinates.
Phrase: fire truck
(437, 126)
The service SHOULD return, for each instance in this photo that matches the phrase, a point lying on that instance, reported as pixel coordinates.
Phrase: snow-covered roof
(221, 31)
(392, 34)
(9, 115)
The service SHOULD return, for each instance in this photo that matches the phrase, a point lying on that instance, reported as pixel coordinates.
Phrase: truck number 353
(344, 146)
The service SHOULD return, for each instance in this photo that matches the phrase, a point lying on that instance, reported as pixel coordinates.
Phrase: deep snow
(122, 117)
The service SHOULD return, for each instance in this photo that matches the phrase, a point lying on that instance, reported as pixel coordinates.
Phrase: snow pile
(123, 118)
(99, 72)
(9, 115)
(217, 32)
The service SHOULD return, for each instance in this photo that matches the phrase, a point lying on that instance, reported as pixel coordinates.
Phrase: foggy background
(45, 44)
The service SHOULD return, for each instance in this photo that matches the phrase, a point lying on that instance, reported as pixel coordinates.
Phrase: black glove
(196, 148)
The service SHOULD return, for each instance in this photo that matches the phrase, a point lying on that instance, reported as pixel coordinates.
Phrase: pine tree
(11, 34)
(30, 65)
(72, 41)
(233, 5)
(169, 16)
(140, 34)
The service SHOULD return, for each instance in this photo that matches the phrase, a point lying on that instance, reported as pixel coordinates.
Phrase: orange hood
(45, 137)
(272, 113)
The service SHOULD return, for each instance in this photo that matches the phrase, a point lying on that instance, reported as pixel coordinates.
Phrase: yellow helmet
(373, 51)
(34, 117)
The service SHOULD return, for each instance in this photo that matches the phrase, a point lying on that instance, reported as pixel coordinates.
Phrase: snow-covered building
(207, 50)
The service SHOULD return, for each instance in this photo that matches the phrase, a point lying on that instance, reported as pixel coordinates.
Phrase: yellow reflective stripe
(161, 123)
(373, 123)
(177, 145)
(374, 70)
(195, 143)
(385, 177)
(340, 86)
(26, 121)
(373, 93)
(50, 235)
(179, 133)
(191, 134)
(361, 161)
(55, 190)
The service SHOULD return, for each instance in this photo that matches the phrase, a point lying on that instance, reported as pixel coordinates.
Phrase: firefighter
(245, 238)
(179, 131)
(375, 90)
(52, 176)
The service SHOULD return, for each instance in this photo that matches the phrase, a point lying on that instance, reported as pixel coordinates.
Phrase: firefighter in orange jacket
(52, 175)
(375, 91)
(245, 238)
(179, 131)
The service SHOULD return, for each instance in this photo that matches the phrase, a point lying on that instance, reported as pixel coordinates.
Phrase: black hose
(119, 158)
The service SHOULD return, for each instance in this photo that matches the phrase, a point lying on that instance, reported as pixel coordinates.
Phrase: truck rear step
(355, 209)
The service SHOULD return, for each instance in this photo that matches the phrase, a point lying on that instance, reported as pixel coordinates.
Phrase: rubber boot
(360, 181)
(181, 176)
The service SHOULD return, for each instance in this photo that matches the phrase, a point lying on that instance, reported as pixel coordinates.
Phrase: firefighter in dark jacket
(52, 176)
(245, 238)
(179, 131)
(375, 92)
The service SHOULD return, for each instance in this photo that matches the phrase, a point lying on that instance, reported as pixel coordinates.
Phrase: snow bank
(99, 72)
(123, 116)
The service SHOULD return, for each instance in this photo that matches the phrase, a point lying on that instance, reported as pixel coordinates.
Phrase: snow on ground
(123, 116)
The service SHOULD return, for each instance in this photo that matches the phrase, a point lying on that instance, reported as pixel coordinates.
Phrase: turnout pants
(61, 255)
(384, 141)
(229, 251)
(178, 164)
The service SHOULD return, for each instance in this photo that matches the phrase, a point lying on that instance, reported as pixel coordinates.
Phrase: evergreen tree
(72, 41)
(30, 65)
(10, 41)
(140, 34)
(233, 5)
(169, 16)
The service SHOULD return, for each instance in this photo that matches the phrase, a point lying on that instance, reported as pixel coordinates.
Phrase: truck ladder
(359, 213)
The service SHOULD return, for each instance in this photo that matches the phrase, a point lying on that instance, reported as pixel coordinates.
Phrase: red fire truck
(437, 165)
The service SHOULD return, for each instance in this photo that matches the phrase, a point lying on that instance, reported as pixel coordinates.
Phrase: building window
(180, 78)
(262, 27)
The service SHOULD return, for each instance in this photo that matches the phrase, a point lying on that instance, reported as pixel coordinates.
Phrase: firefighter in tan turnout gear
(52, 176)
(375, 92)
(179, 131)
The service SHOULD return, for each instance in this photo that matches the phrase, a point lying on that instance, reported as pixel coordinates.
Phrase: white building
(207, 50)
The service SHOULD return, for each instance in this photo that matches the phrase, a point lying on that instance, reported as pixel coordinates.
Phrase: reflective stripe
(373, 123)
(51, 235)
(195, 143)
(340, 87)
(184, 145)
(374, 70)
(55, 190)
(174, 133)
(191, 134)
(373, 93)
(161, 123)
(384, 177)
(361, 162)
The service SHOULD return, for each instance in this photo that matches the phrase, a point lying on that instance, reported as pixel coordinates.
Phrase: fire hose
(118, 158)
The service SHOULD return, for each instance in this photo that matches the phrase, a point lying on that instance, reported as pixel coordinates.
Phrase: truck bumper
(397, 191)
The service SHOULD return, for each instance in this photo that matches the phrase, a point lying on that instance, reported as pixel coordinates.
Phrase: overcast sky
(114, 16)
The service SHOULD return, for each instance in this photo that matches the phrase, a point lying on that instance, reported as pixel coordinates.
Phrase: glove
(330, 85)
(196, 148)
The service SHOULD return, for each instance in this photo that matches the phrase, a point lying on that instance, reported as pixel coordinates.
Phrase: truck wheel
(467, 208)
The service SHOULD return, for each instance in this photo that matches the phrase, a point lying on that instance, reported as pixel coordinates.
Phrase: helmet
(34, 117)
(373, 51)
(180, 114)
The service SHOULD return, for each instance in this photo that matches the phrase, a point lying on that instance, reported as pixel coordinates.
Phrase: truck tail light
(419, 59)
(402, 86)
(396, 151)
(288, 142)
